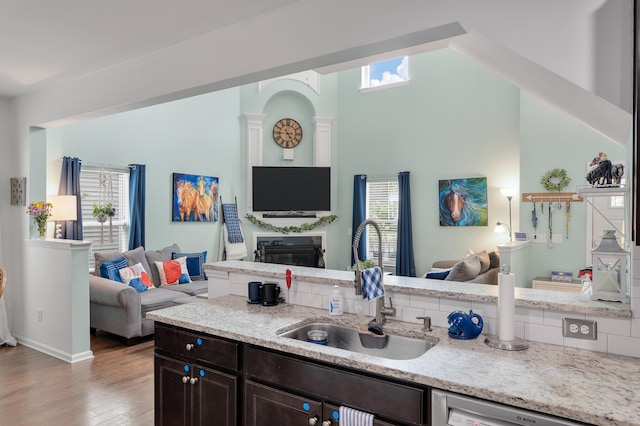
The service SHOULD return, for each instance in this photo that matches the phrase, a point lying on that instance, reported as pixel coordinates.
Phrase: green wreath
(555, 180)
(325, 220)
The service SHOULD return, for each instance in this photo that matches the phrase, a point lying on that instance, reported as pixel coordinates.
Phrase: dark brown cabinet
(205, 380)
(287, 383)
(263, 402)
(189, 392)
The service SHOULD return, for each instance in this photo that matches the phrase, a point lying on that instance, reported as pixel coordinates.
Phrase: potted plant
(101, 213)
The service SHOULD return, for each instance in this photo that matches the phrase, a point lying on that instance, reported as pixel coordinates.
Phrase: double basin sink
(350, 339)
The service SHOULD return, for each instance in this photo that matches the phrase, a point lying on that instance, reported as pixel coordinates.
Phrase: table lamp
(64, 208)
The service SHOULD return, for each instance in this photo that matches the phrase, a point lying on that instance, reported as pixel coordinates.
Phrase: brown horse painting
(187, 197)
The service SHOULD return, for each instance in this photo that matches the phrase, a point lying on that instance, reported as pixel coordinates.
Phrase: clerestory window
(385, 73)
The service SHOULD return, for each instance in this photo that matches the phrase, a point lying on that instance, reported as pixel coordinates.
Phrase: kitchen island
(580, 385)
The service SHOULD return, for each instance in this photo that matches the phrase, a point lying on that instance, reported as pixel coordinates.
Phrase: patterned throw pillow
(194, 264)
(136, 277)
(173, 271)
(110, 269)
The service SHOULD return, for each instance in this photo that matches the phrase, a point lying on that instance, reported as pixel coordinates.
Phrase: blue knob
(335, 415)
(306, 406)
(186, 368)
(199, 341)
(201, 373)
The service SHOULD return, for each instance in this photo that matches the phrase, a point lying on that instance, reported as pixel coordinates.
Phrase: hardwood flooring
(114, 388)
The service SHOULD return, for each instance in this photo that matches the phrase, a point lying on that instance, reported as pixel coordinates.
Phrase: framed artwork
(195, 198)
(463, 202)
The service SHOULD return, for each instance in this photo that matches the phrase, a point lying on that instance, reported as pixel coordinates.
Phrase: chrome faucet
(382, 311)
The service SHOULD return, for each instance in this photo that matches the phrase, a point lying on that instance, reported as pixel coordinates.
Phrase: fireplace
(303, 250)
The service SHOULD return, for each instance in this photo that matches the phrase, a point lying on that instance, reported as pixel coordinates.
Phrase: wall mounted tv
(291, 189)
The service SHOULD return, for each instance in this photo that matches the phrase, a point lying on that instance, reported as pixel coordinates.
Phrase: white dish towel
(353, 417)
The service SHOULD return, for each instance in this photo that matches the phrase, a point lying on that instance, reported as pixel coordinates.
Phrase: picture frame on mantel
(195, 198)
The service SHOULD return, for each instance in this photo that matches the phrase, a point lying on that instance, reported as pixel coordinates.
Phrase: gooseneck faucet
(382, 311)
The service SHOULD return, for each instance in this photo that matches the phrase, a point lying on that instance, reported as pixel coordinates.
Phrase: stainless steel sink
(348, 338)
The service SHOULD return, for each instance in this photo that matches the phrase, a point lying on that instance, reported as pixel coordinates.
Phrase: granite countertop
(576, 384)
(526, 297)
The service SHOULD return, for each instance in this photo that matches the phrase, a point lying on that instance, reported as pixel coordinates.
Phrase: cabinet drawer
(390, 400)
(197, 347)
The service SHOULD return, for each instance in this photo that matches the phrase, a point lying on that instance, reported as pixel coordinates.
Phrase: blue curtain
(359, 215)
(405, 265)
(70, 185)
(137, 198)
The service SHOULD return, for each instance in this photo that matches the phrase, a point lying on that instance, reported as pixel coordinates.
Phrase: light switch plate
(18, 191)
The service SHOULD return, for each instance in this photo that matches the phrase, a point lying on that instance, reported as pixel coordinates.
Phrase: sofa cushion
(136, 277)
(483, 256)
(465, 270)
(494, 259)
(110, 269)
(438, 275)
(162, 255)
(173, 271)
(157, 299)
(133, 256)
(195, 262)
(193, 288)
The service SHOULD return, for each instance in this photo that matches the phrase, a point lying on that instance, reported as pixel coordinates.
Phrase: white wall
(252, 50)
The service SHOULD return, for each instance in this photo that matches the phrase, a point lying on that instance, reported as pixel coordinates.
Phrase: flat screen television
(291, 189)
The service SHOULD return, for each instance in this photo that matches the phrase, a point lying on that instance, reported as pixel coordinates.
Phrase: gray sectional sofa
(120, 309)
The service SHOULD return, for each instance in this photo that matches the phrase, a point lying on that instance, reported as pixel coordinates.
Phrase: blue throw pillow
(109, 270)
(194, 264)
(440, 275)
(137, 284)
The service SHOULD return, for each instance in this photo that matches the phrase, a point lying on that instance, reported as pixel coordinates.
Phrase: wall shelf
(570, 197)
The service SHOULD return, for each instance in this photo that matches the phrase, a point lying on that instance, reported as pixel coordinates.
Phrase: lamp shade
(508, 192)
(64, 207)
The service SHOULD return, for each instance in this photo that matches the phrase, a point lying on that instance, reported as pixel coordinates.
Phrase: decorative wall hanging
(324, 220)
(463, 202)
(555, 180)
(195, 198)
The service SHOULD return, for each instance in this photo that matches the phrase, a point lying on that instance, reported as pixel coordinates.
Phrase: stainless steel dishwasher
(450, 409)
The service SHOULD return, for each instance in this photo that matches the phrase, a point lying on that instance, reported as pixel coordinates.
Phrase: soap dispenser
(336, 301)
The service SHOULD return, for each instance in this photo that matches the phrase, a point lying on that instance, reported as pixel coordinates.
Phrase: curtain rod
(108, 166)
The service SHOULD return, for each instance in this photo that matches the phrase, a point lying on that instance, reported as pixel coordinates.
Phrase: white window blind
(382, 207)
(117, 182)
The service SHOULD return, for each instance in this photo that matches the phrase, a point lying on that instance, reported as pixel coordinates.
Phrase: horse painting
(463, 202)
(195, 198)
(204, 203)
(187, 197)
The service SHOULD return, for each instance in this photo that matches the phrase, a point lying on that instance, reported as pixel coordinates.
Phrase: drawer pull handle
(185, 379)
(193, 380)
(327, 423)
(313, 420)
(189, 346)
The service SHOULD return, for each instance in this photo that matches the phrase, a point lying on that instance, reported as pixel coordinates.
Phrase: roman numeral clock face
(287, 133)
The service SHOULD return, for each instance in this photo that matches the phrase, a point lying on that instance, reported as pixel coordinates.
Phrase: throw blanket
(353, 417)
(233, 251)
(372, 283)
(230, 212)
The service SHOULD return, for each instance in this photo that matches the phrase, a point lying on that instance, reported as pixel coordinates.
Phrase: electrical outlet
(39, 313)
(579, 328)
(557, 238)
(539, 238)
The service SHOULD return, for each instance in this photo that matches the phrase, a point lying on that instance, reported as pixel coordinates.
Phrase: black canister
(270, 294)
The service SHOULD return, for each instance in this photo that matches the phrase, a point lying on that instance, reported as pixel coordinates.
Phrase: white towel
(353, 417)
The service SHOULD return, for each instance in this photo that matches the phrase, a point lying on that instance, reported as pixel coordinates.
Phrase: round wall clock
(287, 133)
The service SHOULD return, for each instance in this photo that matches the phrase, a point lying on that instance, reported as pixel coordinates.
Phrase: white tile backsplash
(615, 335)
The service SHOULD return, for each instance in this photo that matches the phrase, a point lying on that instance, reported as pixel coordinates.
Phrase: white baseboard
(56, 353)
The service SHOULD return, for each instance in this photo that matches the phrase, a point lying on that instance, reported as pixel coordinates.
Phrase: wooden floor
(114, 388)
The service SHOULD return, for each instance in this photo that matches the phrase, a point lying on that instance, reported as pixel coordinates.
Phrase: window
(385, 73)
(116, 182)
(382, 207)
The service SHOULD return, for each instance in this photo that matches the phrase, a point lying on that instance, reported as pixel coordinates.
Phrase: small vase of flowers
(40, 211)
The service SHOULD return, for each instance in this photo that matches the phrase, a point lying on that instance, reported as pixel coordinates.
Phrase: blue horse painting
(463, 202)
